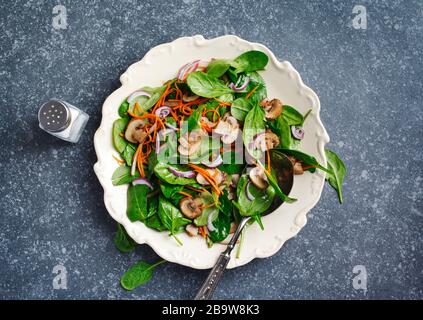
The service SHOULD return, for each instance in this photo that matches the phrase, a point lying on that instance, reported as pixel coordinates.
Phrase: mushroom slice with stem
(258, 178)
(135, 132)
(191, 207)
(216, 174)
(271, 140)
(228, 128)
(191, 230)
(273, 109)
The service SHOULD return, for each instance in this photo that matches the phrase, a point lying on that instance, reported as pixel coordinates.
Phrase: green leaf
(170, 216)
(222, 224)
(262, 198)
(204, 85)
(137, 202)
(154, 222)
(337, 172)
(213, 210)
(145, 102)
(250, 61)
(119, 127)
(281, 128)
(138, 274)
(122, 175)
(217, 68)
(162, 172)
(307, 160)
(232, 163)
(240, 108)
(253, 125)
(194, 119)
(129, 152)
(292, 116)
(123, 241)
(123, 109)
(257, 83)
(274, 183)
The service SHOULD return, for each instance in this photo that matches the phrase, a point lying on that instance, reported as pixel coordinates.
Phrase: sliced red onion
(187, 69)
(142, 181)
(173, 128)
(210, 225)
(183, 174)
(134, 163)
(238, 86)
(248, 193)
(137, 94)
(298, 132)
(163, 111)
(153, 127)
(158, 144)
(215, 163)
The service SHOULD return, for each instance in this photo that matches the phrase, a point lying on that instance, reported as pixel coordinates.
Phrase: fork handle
(209, 286)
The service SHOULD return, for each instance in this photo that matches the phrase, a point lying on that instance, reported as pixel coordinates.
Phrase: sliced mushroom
(273, 109)
(191, 143)
(208, 123)
(217, 175)
(228, 128)
(298, 166)
(258, 178)
(271, 140)
(191, 208)
(192, 230)
(135, 132)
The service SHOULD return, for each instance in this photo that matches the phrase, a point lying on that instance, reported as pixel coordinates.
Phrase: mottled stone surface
(370, 86)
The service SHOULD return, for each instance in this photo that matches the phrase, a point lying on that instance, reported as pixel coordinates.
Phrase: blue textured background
(370, 86)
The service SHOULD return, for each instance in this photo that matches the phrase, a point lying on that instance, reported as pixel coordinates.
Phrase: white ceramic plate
(283, 81)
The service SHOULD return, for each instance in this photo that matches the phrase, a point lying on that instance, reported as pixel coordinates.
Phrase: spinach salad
(195, 152)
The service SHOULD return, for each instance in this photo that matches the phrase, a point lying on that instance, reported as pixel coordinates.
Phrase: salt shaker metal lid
(54, 116)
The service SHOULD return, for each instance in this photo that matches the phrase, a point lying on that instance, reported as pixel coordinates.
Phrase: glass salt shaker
(62, 120)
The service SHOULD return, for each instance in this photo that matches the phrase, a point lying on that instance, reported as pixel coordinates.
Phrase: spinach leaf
(307, 160)
(122, 175)
(262, 198)
(123, 109)
(207, 86)
(119, 127)
(171, 192)
(257, 218)
(217, 68)
(209, 210)
(162, 172)
(171, 217)
(240, 108)
(250, 61)
(154, 222)
(123, 241)
(129, 152)
(194, 119)
(137, 202)
(337, 172)
(232, 163)
(281, 128)
(138, 274)
(292, 116)
(147, 103)
(222, 224)
(253, 125)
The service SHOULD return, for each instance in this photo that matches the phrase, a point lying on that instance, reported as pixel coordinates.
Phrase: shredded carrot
(251, 92)
(195, 189)
(139, 161)
(185, 194)
(119, 161)
(202, 231)
(224, 103)
(308, 167)
(206, 176)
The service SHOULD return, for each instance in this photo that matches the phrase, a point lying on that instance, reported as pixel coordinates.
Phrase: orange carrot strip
(119, 161)
(251, 92)
(224, 103)
(185, 194)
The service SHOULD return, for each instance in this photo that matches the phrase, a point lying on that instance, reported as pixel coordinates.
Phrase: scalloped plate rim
(301, 215)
